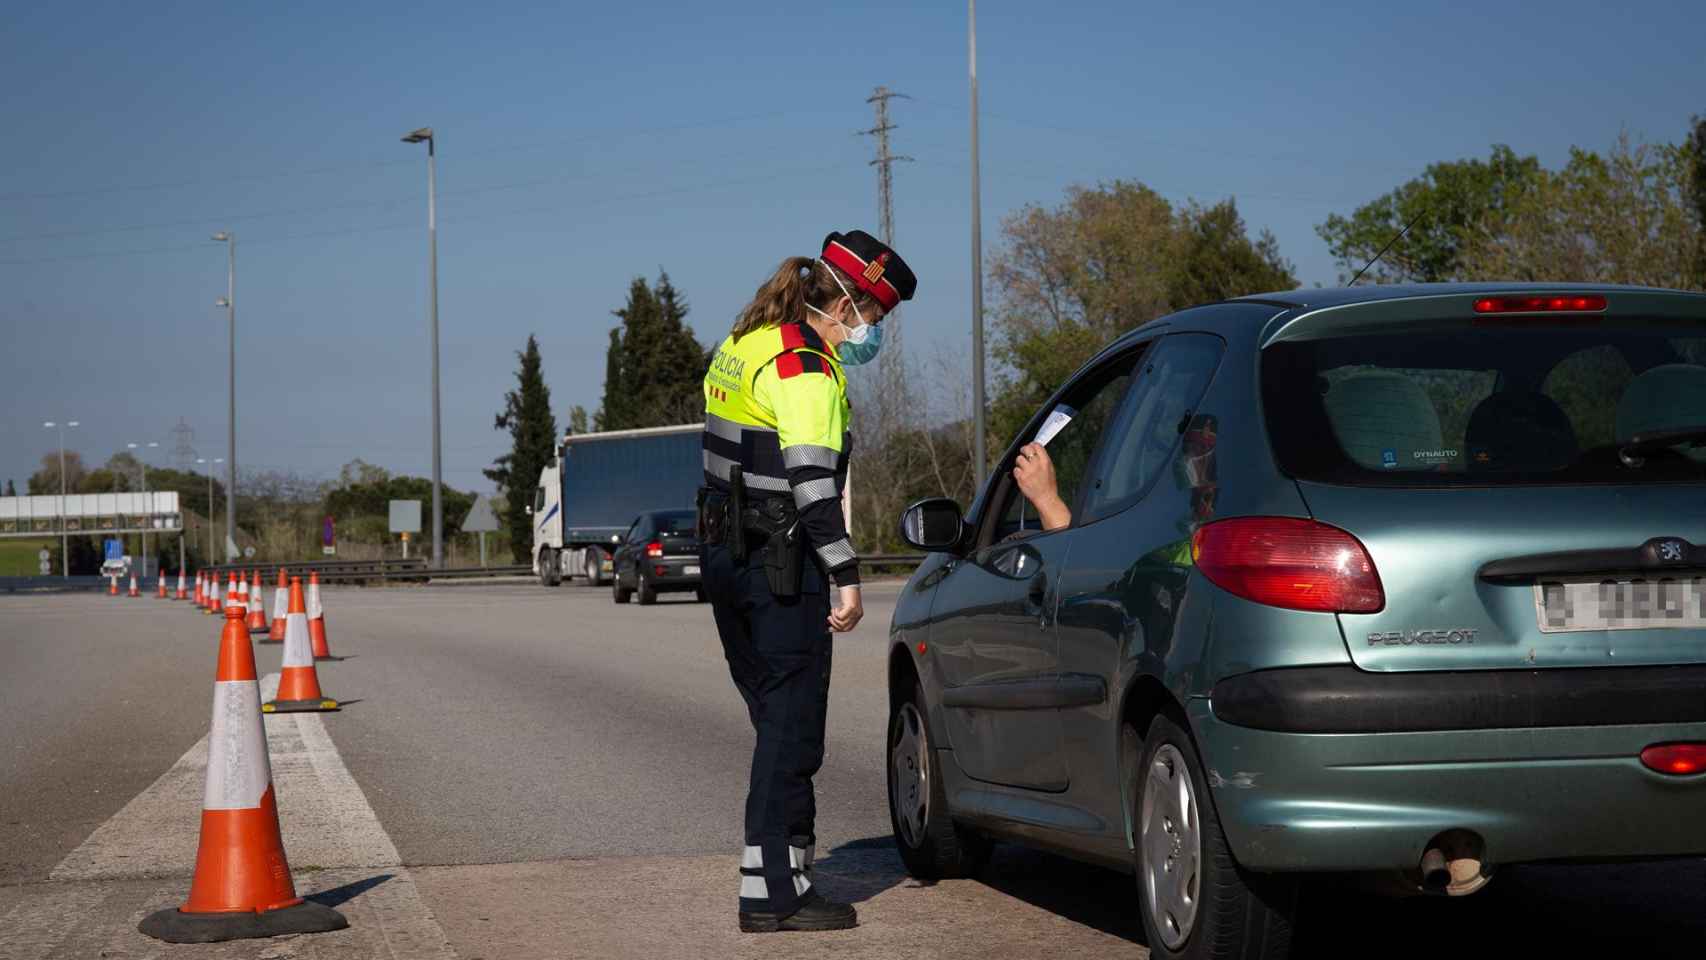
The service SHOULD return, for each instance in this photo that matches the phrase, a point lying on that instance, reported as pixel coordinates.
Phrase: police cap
(875, 268)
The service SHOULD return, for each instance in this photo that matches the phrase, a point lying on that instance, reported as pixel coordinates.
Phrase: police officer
(776, 441)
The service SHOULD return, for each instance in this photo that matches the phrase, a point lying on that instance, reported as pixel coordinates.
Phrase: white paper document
(1056, 421)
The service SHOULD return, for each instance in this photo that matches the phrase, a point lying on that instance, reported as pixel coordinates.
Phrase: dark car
(658, 554)
(1405, 582)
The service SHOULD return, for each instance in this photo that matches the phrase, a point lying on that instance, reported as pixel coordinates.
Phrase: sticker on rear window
(1389, 459)
(1435, 457)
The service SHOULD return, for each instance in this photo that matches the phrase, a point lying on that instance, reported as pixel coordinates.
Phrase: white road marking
(331, 837)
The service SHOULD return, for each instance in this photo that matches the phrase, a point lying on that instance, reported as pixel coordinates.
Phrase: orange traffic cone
(214, 593)
(206, 591)
(298, 682)
(181, 593)
(242, 887)
(280, 607)
(317, 620)
(160, 579)
(133, 590)
(112, 586)
(257, 609)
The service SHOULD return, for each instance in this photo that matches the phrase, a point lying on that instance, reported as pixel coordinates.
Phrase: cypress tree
(654, 365)
(533, 429)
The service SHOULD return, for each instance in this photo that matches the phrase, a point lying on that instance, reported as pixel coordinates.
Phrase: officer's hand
(848, 610)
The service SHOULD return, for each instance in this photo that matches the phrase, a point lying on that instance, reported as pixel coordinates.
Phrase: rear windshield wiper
(1632, 450)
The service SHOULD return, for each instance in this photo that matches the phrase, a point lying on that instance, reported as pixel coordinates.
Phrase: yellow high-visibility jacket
(776, 405)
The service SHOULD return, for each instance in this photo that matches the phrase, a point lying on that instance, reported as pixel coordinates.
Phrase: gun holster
(736, 508)
(782, 561)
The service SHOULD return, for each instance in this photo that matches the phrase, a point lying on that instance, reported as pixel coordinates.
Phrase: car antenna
(1397, 237)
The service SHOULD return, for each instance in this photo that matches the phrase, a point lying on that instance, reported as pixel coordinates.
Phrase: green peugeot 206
(1401, 581)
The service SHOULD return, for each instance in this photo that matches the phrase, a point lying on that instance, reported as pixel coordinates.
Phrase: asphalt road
(553, 767)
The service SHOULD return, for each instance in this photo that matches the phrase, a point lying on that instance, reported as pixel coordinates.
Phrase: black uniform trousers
(778, 651)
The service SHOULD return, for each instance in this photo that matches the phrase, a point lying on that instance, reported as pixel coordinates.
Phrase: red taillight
(661, 570)
(1550, 303)
(654, 549)
(1291, 563)
(1676, 759)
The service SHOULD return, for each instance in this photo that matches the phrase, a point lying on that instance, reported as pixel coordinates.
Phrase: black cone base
(324, 704)
(326, 658)
(175, 926)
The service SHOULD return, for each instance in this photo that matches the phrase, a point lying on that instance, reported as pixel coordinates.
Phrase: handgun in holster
(734, 533)
(783, 553)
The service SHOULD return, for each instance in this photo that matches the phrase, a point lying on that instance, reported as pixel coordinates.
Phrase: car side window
(633, 530)
(1094, 399)
(1146, 430)
(538, 499)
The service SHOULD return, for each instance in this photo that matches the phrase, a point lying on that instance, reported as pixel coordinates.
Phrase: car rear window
(1534, 403)
(681, 521)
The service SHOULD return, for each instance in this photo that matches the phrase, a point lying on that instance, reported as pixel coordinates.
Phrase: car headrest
(1519, 431)
(1382, 419)
(1667, 397)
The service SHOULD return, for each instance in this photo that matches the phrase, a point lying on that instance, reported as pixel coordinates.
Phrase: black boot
(814, 913)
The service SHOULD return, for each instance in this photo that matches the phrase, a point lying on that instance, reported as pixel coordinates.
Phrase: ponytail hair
(798, 281)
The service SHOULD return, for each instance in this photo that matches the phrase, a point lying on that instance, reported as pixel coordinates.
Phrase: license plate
(1639, 604)
(691, 570)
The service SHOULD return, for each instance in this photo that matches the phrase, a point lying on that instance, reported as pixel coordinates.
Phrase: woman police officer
(776, 442)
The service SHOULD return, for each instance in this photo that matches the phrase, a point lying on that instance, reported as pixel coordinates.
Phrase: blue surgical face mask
(864, 340)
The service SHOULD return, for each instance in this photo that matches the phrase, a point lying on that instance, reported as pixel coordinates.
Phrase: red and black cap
(875, 268)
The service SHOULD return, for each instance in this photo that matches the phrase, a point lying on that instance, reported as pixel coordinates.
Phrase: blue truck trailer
(596, 484)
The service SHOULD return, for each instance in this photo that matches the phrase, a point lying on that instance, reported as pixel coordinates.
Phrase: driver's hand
(848, 609)
(1033, 471)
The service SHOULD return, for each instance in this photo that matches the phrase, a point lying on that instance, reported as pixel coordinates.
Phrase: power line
(884, 163)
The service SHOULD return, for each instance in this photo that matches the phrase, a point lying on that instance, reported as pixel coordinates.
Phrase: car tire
(699, 595)
(931, 845)
(648, 593)
(550, 571)
(1195, 900)
(617, 592)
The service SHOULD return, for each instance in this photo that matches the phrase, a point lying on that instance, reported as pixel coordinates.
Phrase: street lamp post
(210, 504)
(64, 536)
(418, 136)
(150, 507)
(980, 453)
(229, 302)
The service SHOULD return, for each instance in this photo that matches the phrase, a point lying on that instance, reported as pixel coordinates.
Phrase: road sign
(46, 567)
(43, 555)
(405, 516)
(481, 518)
(248, 551)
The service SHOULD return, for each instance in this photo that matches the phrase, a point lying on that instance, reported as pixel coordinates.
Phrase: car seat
(1667, 397)
(1514, 430)
(1382, 419)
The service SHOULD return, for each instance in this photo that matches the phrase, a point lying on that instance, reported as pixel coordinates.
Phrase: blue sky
(582, 144)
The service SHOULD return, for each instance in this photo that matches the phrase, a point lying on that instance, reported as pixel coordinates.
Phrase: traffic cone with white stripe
(181, 594)
(257, 609)
(298, 681)
(280, 606)
(242, 887)
(160, 583)
(112, 586)
(133, 589)
(317, 619)
(209, 591)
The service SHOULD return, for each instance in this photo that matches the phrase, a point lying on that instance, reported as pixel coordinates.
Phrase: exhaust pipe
(1435, 875)
(1453, 865)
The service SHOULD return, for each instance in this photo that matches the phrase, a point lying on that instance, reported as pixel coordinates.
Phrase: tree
(46, 479)
(1442, 205)
(11, 488)
(1625, 217)
(1070, 279)
(1695, 160)
(654, 368)
(578, 419)
(533, 435)
(1217, 259)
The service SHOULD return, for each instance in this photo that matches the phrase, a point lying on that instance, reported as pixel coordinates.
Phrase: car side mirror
(934, 524)
(529, 509)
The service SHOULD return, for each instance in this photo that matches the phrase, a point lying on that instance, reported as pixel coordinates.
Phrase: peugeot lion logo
(1673, 551)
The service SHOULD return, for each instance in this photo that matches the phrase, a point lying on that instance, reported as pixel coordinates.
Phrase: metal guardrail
(54, 583)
